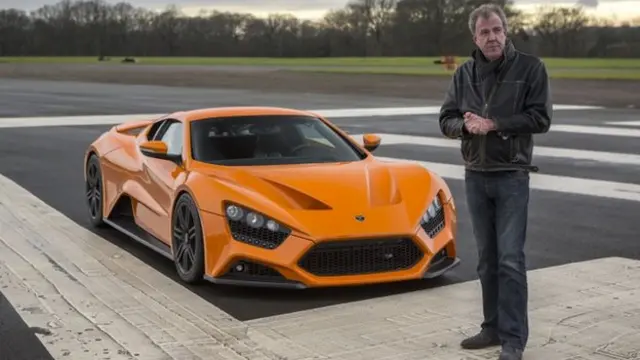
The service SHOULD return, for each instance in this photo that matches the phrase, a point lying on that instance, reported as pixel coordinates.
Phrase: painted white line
(584, 129)
(73, 120)
(577, 310)
(596, 130)
(625, 123)
(329, 113)
(82, 288)
(96, 300)
(426, 110)
(563, 184)
(585, 155)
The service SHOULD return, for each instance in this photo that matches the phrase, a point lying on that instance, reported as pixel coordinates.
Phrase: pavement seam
(79, 262)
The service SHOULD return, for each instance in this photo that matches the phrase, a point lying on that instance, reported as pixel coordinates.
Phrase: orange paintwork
(316, 201)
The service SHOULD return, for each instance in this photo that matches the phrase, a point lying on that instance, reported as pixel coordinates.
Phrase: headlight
(254, 228)
(432, 211)
(432, 220)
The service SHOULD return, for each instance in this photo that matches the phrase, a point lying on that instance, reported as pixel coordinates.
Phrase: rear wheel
(186, 240)
(94, 191)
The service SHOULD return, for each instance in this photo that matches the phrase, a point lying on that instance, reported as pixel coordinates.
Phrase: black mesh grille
(350, 257)
(435, 224)
(261, 237)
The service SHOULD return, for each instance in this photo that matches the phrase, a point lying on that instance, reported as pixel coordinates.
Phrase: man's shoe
(483, 339)
(509, 353)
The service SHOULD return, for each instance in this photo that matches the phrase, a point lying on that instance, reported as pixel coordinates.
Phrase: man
(495, 102)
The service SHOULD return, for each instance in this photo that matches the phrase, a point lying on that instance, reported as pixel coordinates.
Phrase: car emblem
(360, 218)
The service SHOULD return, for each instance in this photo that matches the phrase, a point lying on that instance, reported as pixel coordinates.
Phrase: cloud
(262, 6)
(588, 3)
(233, 5)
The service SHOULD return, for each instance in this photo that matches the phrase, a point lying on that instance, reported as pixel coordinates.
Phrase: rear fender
(125, 128)
(112, 140)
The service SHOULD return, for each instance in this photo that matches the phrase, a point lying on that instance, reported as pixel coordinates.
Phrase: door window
(173, 137)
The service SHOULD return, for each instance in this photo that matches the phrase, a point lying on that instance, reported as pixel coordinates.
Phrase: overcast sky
(312, 8)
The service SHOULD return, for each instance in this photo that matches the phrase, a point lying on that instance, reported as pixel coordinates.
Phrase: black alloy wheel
(93, 191)
(186, 239)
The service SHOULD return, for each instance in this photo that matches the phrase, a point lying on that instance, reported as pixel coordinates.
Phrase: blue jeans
(498, 203)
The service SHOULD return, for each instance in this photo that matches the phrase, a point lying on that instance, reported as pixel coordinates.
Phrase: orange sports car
(268, 196)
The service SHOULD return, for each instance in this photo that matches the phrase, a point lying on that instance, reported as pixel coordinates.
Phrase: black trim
(253, 283)
(439, 264)
(121, 219)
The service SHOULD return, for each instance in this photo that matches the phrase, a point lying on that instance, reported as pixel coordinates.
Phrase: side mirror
(371, 141)
(158, 149)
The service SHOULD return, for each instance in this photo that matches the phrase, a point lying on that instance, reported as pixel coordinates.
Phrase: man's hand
(478, 125)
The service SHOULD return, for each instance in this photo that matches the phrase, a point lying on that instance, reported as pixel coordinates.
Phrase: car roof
(237, 111)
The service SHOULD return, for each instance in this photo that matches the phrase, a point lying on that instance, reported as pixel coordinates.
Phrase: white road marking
(329, 113)
(63, 278)
(625, 123)
(80, 287)
(575, 310)
(19, 122)
(582, 129)
(97, 300)
(575, 154)
(596, 130)
(426, 110)
(564, 184)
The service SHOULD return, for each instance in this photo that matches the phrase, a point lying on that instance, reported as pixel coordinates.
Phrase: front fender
(210, 192)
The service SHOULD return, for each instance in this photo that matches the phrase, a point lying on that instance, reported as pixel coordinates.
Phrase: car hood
(323, 200)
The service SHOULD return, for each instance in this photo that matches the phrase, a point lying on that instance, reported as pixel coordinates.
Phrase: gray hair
(485, 12)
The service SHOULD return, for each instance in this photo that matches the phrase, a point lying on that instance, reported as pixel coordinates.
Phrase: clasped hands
(478, 125)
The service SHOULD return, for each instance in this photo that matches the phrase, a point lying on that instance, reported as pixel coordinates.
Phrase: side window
(172, 136)
(155, 130)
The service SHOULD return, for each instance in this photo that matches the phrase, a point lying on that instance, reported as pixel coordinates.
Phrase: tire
(94, 192)
(188, 252)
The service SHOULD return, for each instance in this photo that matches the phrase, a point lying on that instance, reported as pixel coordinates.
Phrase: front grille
(435, 224)
(352, 257)
(261, 237)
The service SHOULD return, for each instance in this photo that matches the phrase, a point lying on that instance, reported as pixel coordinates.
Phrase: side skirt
(121, 219)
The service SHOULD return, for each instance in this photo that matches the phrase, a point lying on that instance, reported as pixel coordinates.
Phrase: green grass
(594, 68)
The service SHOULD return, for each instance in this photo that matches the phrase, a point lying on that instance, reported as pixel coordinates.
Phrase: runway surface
(573, 217)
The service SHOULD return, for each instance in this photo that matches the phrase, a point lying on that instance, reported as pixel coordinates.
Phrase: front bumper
(299, 263)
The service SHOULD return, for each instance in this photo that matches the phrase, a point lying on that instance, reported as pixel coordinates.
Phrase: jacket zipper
(485, 114)
(485, 111)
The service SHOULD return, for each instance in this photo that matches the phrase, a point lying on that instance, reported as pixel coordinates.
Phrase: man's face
(490, 36)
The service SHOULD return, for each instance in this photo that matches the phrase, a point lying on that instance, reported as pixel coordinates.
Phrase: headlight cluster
(254, 228)
(432, 220)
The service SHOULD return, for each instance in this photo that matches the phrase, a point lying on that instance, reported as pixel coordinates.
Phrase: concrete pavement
(61, 277)
(98, 302)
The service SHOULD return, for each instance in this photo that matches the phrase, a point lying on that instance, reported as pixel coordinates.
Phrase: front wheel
(186, 241)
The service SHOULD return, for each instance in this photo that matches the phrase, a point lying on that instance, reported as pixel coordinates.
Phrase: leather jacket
(514, 92)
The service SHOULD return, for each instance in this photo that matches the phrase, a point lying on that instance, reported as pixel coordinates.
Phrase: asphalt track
(563, 228)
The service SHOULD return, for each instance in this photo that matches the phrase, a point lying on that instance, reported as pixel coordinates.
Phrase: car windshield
(269, 140)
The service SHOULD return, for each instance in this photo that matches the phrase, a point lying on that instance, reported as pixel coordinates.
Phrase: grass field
(594, 68)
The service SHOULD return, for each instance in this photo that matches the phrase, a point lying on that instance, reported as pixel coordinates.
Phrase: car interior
(229, 141)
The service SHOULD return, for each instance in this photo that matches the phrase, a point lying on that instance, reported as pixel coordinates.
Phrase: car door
(162, 178)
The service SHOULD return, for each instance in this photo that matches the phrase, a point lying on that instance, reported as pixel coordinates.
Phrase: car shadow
(247, 303)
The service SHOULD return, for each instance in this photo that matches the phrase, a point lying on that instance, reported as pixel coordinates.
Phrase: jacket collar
(486, 67)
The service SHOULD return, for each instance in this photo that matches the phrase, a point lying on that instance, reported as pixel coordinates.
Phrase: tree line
(361, 28)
